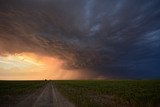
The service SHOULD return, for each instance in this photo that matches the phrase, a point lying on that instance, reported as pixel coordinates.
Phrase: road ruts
(48, 97)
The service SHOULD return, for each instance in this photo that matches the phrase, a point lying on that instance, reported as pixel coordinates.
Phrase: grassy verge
(10, 90)
(103, 93)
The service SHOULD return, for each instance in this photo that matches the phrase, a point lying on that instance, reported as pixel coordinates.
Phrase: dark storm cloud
(118, 39)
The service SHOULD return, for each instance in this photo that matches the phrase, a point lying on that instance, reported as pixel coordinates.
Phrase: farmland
(12, 91)
(103, 93)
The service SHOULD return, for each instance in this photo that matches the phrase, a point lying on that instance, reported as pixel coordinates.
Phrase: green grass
(10, 90)
(103, 93)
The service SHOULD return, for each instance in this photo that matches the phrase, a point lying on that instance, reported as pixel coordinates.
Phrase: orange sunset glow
(29, 66)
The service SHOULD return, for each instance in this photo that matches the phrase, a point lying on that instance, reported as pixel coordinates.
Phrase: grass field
(11, 90)
(103, 93)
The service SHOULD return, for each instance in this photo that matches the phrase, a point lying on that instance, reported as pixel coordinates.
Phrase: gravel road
(46, 97)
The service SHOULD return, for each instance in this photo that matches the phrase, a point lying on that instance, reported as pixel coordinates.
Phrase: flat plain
(31, 94)
(81, 93)
(13, 91)
(113, 93)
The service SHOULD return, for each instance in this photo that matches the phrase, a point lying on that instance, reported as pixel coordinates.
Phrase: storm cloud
(116, 39)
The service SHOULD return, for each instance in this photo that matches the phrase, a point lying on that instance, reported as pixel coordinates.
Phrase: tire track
(48, 97)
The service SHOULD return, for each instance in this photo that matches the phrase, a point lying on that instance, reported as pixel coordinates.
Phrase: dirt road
(47, 97)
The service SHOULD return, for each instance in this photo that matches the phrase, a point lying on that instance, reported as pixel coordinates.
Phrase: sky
(79, 39)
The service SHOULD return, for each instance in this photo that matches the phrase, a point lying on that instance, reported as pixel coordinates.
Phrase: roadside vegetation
(103, 93)
(10, 91)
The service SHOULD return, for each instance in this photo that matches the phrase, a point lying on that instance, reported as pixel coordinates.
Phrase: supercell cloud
(116, 39)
